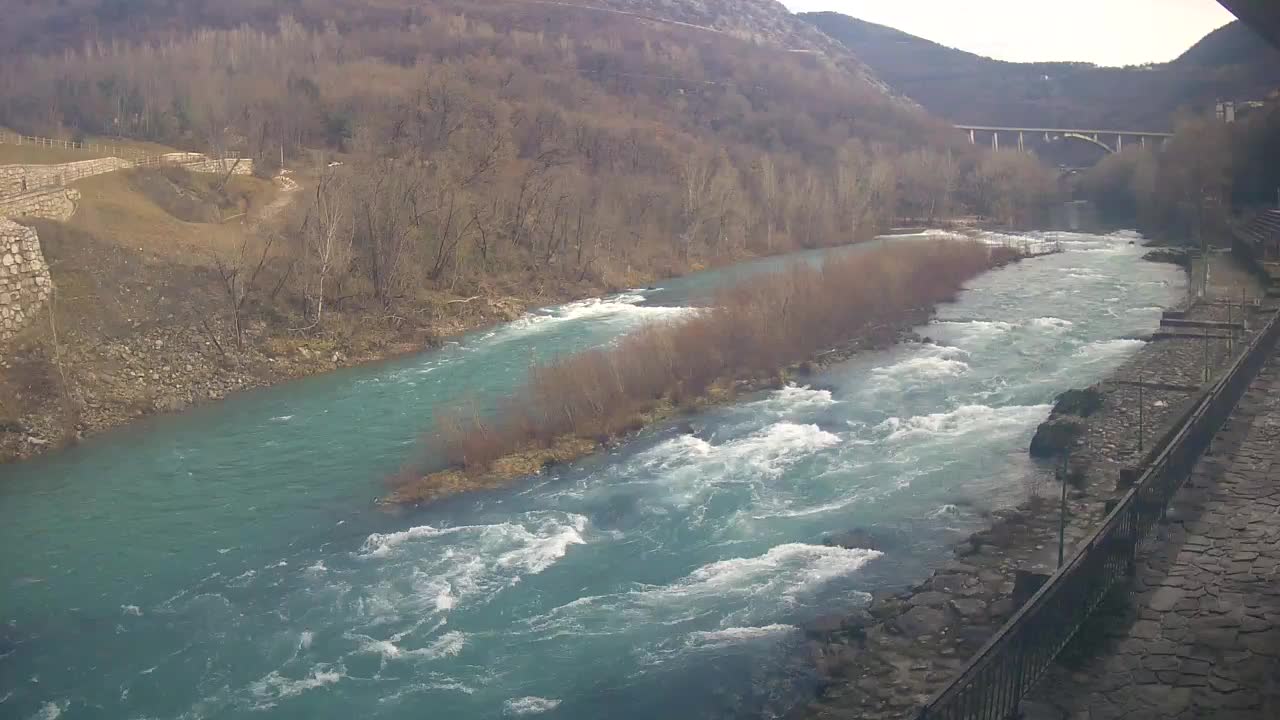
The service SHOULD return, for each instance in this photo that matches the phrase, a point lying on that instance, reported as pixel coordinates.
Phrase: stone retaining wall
(24, 277)
(15, 179)
(235, 166)
(57, 203)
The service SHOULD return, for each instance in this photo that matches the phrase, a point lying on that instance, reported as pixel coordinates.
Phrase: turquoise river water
(229, 562)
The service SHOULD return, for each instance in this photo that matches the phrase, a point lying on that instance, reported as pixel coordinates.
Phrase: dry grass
(752, 330)
(11, 154)
(116, 211)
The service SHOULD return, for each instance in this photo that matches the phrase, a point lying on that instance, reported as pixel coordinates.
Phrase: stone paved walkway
(1200, 635)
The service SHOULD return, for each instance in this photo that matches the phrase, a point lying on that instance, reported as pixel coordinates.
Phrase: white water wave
(793, 399)
(427, 572)
(927, 232)
(274, 687)
(788, 511)
(973, 330)
(529, 705)
(732, 636)
(738, 592)
(1108, 350)
(923, 368)
(51, 710)
(624, 307)
(449, 644)
(697, 464)
(537, 548)
(1127, 235)
(1053, 324)
(964, 420)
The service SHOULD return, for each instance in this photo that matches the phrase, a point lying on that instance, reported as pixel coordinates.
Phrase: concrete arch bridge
(1111, 141)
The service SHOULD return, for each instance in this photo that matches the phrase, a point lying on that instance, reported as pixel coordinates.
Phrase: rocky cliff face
(761, 21)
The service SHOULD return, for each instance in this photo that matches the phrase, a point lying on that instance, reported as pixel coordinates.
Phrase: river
(229, 562)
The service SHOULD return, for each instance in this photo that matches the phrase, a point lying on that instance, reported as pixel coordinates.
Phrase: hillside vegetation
(1188, 191)
(1230, 63)
(461, 161)
(749, 331)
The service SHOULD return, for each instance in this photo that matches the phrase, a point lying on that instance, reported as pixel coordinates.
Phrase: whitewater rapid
(229, 563)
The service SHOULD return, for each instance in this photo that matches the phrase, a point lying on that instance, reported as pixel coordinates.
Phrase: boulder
(969, 608)
(169, 404)
(1081, 403)
(921, 620)
(1055, 436)
(1175, 256)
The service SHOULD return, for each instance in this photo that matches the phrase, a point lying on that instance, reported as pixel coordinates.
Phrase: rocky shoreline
(887, 660)
(169, 368)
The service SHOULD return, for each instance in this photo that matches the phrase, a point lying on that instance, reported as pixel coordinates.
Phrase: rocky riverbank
(887, 660)
(95, 383)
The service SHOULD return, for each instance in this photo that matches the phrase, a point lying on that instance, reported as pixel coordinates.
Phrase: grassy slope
(11, 154)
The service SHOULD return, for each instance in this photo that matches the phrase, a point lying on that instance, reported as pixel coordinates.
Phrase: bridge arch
(1078, 136)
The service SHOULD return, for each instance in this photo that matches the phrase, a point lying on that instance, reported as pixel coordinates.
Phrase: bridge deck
(1132, 133)
(1200, 636)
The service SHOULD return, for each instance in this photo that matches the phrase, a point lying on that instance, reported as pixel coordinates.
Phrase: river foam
(529, 705)
(964, 420)
(714, 639)
(626, 308)
(692, 468)
(269, 690)
(664, 577)
(739, 591)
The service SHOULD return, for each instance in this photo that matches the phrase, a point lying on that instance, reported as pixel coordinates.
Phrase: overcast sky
(1106, 32)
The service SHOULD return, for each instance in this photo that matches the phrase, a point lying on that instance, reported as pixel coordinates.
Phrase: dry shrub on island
(750, 330)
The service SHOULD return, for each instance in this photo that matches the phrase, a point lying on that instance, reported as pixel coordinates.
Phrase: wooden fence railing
(123, 152)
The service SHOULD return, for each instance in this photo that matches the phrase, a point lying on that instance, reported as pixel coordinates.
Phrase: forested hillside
(1230, 63)
(484, 139)
(462, 160)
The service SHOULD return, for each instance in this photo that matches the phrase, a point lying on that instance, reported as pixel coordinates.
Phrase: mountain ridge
(1229, 63)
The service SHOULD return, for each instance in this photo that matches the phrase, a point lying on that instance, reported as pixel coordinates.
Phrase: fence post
(1142, 406)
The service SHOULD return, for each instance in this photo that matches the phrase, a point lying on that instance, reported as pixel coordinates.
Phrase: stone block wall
(236, 166)
(24, 277)
(16, 179)
(58, 203)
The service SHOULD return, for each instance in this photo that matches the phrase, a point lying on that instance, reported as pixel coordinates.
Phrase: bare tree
(327, 235)
(240, 273)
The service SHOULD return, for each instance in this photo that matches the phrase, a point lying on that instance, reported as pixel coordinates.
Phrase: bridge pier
(1021, 143)
(972, 140)
(995, 140)
(1119, 143)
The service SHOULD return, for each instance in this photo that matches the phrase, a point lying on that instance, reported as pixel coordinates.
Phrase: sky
(1105, 32)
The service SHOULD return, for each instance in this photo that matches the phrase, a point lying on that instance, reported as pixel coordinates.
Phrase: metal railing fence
(996, 679)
